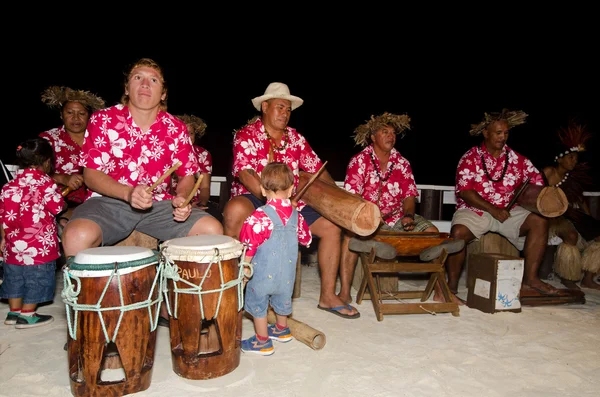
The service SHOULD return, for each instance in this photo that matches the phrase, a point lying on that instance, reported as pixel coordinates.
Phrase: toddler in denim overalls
(272, 233)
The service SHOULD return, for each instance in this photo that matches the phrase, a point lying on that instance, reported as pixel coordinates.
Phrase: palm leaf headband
(513, 118)
(400, 123)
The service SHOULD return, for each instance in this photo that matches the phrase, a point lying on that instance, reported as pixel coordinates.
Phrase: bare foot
(335, 301)
(439, 297)
(345, 299)
(541, 287)
(569, 283)
(588, 282)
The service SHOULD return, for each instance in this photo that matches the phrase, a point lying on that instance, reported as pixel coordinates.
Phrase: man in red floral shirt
(487, 178)
(127, 148)
(267, 139)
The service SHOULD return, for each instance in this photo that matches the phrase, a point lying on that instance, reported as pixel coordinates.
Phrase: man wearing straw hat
(266, 139)
(128, 148)
(487, 178)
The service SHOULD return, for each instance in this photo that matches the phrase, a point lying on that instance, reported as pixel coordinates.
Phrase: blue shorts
(35, 284)
(308, 213)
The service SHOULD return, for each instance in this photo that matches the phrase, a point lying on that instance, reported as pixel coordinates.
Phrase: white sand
(542, 351)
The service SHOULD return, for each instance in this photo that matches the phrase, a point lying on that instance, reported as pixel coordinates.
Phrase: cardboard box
(494, 282)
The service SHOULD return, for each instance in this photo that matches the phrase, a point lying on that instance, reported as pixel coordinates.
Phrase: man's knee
(325, 229)
(461, 232)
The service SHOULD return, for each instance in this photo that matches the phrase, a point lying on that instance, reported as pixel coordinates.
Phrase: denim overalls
(274, 268)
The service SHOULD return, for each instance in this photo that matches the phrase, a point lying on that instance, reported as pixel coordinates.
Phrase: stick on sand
(162, 178)
(193, 192)
(304, 333)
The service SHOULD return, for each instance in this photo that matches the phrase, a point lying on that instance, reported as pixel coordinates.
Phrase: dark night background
(444, 83)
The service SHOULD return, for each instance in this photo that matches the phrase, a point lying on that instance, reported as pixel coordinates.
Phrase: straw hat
(513, 118)
(56, 97)
(277, 90)
(400, 123)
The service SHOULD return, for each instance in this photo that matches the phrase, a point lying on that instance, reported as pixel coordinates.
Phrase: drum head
(203, 248)
(105, 255)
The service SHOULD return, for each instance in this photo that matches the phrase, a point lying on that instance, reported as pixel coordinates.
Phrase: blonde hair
(276, 177)
(151, 64)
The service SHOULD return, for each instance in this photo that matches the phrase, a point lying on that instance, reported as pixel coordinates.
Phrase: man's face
(145, 88)
(496, 134)
(569, 161)
(384, 138)
(75, 117)
(277, 112)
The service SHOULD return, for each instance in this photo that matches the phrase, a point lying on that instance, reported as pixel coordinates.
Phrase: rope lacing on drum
(71, 292)
(171, 270)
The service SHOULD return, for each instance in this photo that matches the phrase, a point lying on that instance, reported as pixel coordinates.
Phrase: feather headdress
(56, 97)
(572, 139)
(513, 118)
(400, 123)
(195, 125)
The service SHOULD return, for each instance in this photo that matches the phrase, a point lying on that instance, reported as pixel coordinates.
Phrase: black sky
(444, 84)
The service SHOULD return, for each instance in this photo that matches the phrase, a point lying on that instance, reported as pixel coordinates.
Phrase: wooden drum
(548, 201)
(205, 301)
(112, 300)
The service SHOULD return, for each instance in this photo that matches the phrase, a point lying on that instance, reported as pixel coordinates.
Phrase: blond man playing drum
(128, 148)
(272, 233)
(487, 178)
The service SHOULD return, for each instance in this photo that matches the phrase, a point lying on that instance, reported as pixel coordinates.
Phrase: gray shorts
(118, 219)
(479, 225)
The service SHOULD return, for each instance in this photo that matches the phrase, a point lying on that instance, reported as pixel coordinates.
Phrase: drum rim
(152, 259)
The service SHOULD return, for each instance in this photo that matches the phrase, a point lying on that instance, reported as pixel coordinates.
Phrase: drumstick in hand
(65, 191)
(162, 178)
(296, 198)
(193, 192)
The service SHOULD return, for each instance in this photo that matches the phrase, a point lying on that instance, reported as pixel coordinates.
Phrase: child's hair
(276, 176)
(34, 152)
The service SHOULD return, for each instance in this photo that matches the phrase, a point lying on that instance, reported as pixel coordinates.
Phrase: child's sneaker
(37, 320)
(11, 318)
(252, 345)
(285, 335)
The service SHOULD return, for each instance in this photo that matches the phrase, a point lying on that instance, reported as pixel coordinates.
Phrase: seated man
(381, 175)
(127, 147)
(487, 178)
(266, 139)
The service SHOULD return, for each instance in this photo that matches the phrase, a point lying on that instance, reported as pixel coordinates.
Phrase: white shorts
(481, 224)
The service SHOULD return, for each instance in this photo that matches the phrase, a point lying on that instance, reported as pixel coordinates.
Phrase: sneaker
(252, 345)
(37, 320)
(285, 335)
(451, 247)
(382, 250)
(11, 318)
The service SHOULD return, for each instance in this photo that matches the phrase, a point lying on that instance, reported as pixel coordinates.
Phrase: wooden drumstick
(162, 178)
(65, 191)
(193, 192)
(296, 198)
(516, 196)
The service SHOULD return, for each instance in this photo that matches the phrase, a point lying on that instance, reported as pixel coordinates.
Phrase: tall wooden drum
(205, 300)
(112, 297)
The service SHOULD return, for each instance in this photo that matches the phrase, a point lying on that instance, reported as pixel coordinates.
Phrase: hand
(140, 198)
(500, 214)
(181, 214)
(75, 181)
(408, 222)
